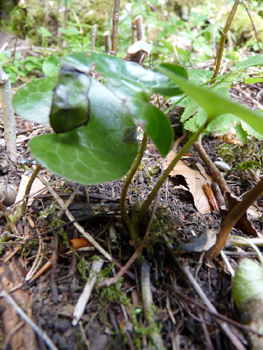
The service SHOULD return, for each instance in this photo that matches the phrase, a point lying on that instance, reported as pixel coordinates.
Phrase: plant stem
(223, 39)
(128, 179)
(11, 223)
(160, 182)
(93, 37)
(8, 115)
(216, 174)
(115, 28)
(255, 30)
(232, 218)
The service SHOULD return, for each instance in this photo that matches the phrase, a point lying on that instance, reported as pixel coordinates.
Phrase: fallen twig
(224, 326)
(84, 297)
(216, 174)
(77, 225)
(22, 314)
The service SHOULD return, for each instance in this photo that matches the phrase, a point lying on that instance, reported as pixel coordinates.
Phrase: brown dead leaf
(230, 137)
(195, 180)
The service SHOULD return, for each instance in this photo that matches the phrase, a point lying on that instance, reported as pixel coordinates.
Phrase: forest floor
(156, 301)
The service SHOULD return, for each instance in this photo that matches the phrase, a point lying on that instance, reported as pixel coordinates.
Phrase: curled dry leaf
(195, 180)
(77, 243)
(211, 196)
(230, 137)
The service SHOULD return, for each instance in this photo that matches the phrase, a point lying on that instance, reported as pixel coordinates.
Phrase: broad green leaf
(32, 63)
(33, 101)
(247, 283)
(51, 66)
(241, 133)
(71, 104)
(43, 31)
(128, 73)
(101, 151)
(200, 76)
(215, 103)
(253, 80)
(80, 61)
(69, 31)
(168, 45)
(222, 122)
(256, 60)
(156, 124)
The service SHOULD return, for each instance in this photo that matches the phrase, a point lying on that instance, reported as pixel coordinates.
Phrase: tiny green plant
(99, 144)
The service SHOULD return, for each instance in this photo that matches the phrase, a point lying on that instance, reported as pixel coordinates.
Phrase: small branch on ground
(148, 306)
(216, 174)
(23, 315)
(232, 218)
(84, 298)
(77, 225)
(224, 326)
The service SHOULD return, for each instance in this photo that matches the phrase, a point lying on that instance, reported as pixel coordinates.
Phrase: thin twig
(24, 316)
(224, 326)
(77, 225)
(232, 218)
(123, 270)
(223, 39)
(251, 20)
(216, 174)
(148, 306)
(84, 297)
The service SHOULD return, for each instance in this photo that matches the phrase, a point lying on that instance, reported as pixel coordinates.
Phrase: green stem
(28, 188)
(128, 180)
(13, 219)
(223, 39)
(160, 182)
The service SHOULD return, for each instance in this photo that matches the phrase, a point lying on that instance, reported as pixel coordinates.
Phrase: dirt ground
(155, 303)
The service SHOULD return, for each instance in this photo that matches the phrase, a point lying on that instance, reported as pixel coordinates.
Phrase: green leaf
(51, 66)
(32, 63)
(80, 61)
(247, 283)
(131, 74)
(71, 105)
(222, 123)
(156, 124)
(215, 103)
(256, 60)
(253, 80)
(33, 101)
(44, 32)
(200, 76)
(168, 45)
(101, 151)
(133, 84)
(241, 133)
